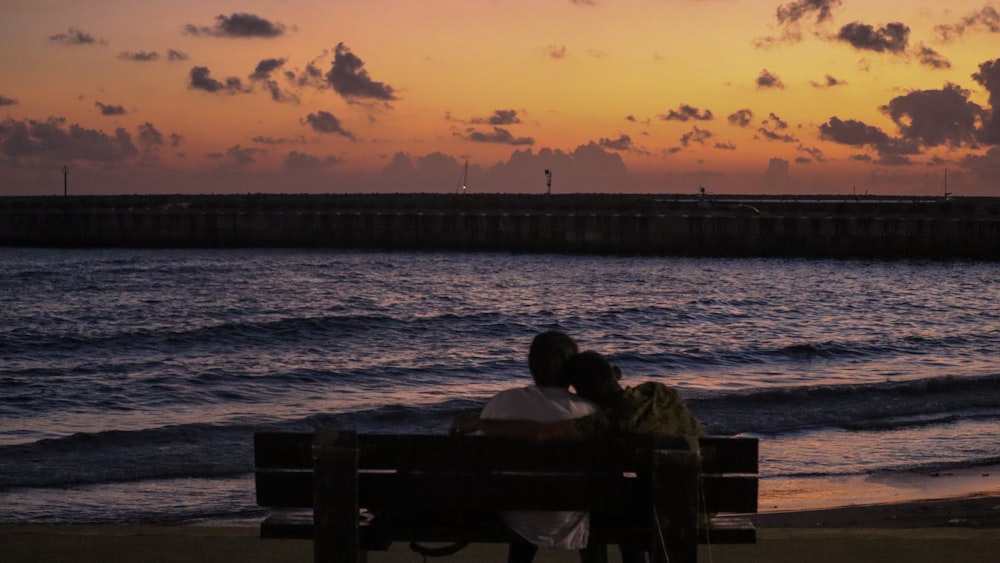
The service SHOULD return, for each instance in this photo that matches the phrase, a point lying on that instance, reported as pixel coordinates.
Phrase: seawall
(811, 226)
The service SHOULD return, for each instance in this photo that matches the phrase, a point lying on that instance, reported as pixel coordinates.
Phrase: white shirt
(564, 530)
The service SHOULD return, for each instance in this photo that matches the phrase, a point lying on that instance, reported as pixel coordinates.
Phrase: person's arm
(521, 429)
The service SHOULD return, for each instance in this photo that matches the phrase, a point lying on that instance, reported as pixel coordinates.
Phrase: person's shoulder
(507, 401)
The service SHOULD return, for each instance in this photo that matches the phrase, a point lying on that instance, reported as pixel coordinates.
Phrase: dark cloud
(793, 12)
(175, 55)
(892, 38)
(351, 80)
(500, 117)
(814, 153)
(265, 68)
(243, 155)
(277, 141)
(772, 136)
(149, 137)
(936, 117)
(557, 51)
(792, 15)
(5, 101)
(326, 123)
(986, 19)
(54, 140)
(109, 109)
(775, 122)
(741, 118)
(725, 146)
(766, 80)
(931, 58)
(239, 25)
(139, 56)
(622, 143)
(75, 37)
(296, 160)
(685, 112)
(989, 77)
(986, 167)
(830, 82)
(696, 135)
(852, 132)
(499, 135)
(201, 79)
(777, 177)
(583, 2)
(892, 151)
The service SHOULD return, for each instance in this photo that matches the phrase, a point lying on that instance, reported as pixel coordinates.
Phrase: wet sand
(963, 530)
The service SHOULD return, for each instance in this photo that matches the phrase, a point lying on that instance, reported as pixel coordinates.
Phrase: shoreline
(959, 529)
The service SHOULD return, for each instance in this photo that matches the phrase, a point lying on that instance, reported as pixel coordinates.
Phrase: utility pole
(548, 182)
(65, 180)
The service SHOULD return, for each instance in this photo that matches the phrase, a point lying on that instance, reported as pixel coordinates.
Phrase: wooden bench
(361, 492)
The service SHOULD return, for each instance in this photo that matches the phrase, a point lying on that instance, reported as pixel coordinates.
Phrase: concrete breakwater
(813, 226)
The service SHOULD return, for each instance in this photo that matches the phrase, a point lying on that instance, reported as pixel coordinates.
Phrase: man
(548, 400)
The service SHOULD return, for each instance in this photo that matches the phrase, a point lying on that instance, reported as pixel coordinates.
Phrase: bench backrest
(423, 487)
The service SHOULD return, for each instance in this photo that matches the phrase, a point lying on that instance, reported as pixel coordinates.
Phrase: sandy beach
(965, 530)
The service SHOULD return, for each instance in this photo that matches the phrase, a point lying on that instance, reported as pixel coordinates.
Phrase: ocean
(132, 381)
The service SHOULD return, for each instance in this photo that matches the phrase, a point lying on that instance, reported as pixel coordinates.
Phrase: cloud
(622, 143)
(243, 156)
(75, 37)
(986, 167)
(201, 80)
(792, 15)
(685, 112)
(936, 117)
(892, 37)
(499, 117)
(149, 137)
(989, 77)
(776, 177)
(775, 122)
(265, 68)
(175, 55)
(498, 135)
(54, 140)
(696, 135)
(139, 56)
(296, 160)
(767, 80)
(326, 123)
(557, 51)
(830, 82)
(264, 140)
(794, 12)
(986, 19)
(351, 80)
(238, 25)
(107, 109)
(741, 118)
(931, 58)
(856, 133)
(5, 101)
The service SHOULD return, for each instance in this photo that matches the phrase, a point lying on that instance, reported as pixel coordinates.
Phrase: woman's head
(593, 377)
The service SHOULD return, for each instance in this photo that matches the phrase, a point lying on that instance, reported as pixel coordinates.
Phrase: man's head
(547, 358)
(594, 378)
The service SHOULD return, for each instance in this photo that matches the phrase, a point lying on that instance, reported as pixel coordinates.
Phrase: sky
(895, 97)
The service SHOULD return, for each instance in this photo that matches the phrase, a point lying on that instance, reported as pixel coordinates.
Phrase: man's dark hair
(593, 378)
(547, 358)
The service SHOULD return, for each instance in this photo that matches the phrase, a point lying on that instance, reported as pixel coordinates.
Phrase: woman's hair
(593, 378)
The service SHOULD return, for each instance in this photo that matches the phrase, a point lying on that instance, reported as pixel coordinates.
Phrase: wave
(874, 406)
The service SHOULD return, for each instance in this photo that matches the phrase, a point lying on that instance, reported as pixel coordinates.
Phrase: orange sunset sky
(632, 96)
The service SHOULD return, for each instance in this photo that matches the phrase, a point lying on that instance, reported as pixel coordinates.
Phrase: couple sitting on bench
(547, 410)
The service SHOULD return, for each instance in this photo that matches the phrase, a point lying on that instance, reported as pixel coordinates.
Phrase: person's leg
(634, 556)
(594, 553)
(521, 551)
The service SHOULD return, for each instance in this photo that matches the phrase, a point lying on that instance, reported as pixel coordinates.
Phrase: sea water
(132, 381)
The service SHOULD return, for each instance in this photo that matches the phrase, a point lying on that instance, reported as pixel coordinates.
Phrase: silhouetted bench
(364, 491)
